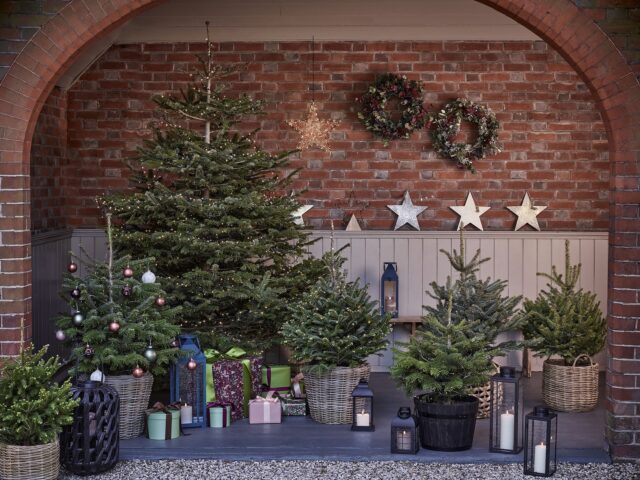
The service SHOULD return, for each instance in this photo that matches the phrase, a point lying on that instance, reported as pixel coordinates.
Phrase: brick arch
(559, 22)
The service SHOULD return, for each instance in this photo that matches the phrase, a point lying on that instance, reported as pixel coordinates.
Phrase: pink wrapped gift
(265, 410)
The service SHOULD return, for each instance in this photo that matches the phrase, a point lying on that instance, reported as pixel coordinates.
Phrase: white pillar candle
(362, 419)
(186, 414)
(402, 440)
(540, 458)
(506, 431)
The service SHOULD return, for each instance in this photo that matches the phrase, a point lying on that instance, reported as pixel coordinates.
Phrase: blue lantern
(389, 289)
(188, 382)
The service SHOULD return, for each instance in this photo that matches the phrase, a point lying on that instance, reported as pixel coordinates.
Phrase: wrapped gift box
(236, 381)
(265, 410)
(293, 406)
(219, 414)
(163, 422)
(276, 378)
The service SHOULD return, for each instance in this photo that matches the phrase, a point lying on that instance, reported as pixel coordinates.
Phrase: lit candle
(506, 431)
(186, 414)
(362, 419)
(402, 442)
(540, 458)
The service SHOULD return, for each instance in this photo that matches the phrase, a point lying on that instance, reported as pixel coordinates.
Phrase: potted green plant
(442, 361)
(33, 411)
(332, 330)
(566, 322)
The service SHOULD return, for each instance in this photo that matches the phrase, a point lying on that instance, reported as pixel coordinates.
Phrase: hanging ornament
(150, 354)
(72, 267)
(127, 272)
(191, 364)
(407, 212)
(137, 372)
(313, 131)
(174, 343)
(114, 327)
(97, 376)
(470, 213)
(77, 319)
(160, 301)
(60, 335)
(88, 351)
(126, 291)
(75, 293)
(148, 277)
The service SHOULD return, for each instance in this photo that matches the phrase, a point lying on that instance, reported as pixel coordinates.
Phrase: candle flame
(363, 411)
(542, 444)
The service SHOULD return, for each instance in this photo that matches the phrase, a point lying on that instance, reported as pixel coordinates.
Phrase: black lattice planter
(91, 444)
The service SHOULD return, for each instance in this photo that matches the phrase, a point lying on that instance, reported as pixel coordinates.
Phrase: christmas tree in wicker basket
(567, 322)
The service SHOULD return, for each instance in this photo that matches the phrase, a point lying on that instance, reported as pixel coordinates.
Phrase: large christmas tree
(211, 208)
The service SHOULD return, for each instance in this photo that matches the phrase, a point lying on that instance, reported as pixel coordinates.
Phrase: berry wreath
(377, 119)
(446, 125)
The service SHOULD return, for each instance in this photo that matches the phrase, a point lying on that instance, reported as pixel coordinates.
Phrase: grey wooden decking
(580, 437)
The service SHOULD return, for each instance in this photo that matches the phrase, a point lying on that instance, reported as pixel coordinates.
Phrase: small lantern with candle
(404, 433)
(540, 452)
(188, 382)
(362, 398)
(505, 434)
(389, 289)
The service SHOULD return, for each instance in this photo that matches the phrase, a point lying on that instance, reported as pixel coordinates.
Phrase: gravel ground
(288, 470)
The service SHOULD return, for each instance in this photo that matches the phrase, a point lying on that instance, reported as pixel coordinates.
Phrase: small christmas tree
(210, 207)
(480, 302)
(442, 359)
(563, 320)
(119, 322)
(335, 324)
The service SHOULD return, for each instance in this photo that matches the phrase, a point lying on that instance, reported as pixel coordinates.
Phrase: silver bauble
(148, 277)
(60, 335)
(78, 318)
(150, 354)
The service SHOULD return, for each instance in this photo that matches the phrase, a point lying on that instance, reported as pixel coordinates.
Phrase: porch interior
(580, 436)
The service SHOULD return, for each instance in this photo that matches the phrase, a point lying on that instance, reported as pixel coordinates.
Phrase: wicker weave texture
(134, 400)
(569, 388)
(329, 393)
(483, 394)
(34, 462)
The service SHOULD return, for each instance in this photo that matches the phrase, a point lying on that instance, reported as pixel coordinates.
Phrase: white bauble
(148, 277)
(97, 376)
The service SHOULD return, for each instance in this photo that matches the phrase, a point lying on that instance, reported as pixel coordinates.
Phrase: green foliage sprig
(563, 320)
(33, 408)
(335, 324)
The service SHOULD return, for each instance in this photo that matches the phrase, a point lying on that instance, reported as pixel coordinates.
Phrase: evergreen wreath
(377, 119)
(446, 125)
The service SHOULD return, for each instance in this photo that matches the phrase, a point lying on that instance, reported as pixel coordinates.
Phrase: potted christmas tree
(481, 300)
(33, 411)
(332, 330)
(442, 360)
(566, 322)
(120, 327)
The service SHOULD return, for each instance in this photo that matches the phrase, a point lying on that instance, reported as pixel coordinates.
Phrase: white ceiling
(290, 20)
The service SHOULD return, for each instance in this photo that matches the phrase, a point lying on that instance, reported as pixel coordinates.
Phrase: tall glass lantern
(506, 413)
(389, 289)
(540, 449)
(188, 382)
(404, 433)
(362, 398)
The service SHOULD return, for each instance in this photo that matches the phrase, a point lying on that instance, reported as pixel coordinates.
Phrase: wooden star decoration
(407, 212)
(470, 213)
(298, 213)
(527, 213)
(353, 225)
(313, 131)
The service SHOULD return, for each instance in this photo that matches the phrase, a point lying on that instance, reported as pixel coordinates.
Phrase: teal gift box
(276, 378)
(163, 423)
(219, 414)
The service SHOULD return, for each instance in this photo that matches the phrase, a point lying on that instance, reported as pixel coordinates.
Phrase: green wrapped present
(163, 422)
(276, 378)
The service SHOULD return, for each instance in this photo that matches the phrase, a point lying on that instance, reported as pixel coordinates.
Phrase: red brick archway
(593, 55)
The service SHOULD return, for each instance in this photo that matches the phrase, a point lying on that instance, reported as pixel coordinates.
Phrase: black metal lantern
(506, 412)
(362, 400)
(404, 433)
(91, 443)
(188, 382)
(389, 289)
(540, 449)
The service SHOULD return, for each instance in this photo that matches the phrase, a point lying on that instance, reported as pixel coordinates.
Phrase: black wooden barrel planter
(446, 427)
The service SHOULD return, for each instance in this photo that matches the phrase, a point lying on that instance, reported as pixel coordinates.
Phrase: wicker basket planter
(483, 394)
(329, 393)
(570, 388)
(134, 396)
(32, 462)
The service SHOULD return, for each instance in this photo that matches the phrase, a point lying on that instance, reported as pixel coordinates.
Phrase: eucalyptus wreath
(445, 125)
(378, 119)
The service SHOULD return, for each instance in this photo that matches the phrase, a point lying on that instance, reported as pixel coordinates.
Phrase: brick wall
(554, 141)
(48, 152)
